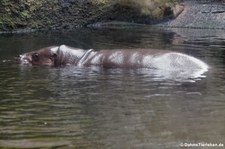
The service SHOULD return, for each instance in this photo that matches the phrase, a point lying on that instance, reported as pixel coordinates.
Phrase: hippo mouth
(21, 59)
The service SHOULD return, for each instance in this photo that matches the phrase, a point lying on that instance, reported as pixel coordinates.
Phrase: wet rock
(177, 10)
(200, 14)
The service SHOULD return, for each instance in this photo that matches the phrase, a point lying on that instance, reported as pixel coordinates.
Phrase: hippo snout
(22, 59)
(17, 58)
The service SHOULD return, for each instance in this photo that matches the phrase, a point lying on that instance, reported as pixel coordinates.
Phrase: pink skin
(118, 58)
(63, 55)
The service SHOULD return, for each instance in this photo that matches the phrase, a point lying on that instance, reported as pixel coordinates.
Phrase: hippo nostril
(17, 57)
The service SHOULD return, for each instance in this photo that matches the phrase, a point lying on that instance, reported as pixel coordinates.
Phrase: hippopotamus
(116, 58)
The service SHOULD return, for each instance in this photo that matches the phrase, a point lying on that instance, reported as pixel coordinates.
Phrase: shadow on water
(73, 107)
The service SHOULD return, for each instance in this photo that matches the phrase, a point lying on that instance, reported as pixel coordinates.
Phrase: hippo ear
(53, 57)
(54, 52)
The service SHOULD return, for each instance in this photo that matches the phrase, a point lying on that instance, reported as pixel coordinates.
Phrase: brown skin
(40, 57)
(45, 56)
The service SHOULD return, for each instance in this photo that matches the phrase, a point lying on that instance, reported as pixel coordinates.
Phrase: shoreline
(191, 14)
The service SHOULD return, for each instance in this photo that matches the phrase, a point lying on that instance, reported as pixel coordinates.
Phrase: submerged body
(132, 58)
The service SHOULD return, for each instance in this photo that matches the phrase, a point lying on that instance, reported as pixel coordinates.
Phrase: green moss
(56, 14)
(15, 14)
(25, 14)
(4, 2)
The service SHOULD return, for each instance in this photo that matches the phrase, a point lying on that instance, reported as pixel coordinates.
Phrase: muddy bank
(202, 14)
(207, 14)
(29, 15)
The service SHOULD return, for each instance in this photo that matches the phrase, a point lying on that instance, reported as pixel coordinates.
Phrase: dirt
(205, 14)
(31, 15)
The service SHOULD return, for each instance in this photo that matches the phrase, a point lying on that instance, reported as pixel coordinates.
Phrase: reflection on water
(74, 107)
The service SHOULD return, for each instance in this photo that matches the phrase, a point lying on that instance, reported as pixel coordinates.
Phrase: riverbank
(205, 14)
(29, 15)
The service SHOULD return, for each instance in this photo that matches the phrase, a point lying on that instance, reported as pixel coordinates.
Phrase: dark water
(44, 107)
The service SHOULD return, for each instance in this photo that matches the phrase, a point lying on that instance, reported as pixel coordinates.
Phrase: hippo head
(51, 56)
(44, 56)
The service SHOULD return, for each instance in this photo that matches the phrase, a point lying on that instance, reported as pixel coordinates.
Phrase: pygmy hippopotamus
(117, 58)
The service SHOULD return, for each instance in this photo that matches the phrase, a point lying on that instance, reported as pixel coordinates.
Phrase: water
(70, 107)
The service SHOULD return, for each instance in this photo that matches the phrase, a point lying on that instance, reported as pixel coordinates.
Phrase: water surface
(70, 107)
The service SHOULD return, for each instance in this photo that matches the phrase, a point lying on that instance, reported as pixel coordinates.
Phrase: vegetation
(38, 14)
(155, 8)
(15, 13)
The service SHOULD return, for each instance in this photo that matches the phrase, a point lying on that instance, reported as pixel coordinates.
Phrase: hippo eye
(35, 57)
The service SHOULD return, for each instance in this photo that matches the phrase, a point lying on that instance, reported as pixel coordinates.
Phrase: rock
(210, 15)
(177, 9)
